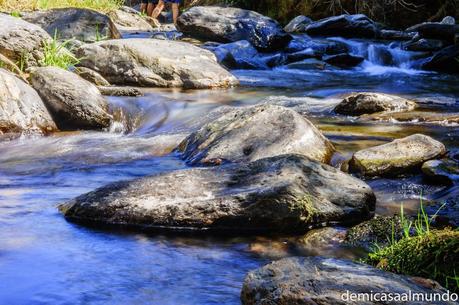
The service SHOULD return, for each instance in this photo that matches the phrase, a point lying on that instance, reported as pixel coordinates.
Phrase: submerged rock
(359, 26)
(397, 157)
(252, 133)
(377, 232)
(343, 60)
(74, 23)
(21, 108)
(440, 118)
(238, 55)
(286, 193)
(73, 102)
(367, 102)
(297, 24)
(150, 63)
(325, 281)
(308, 64)
(21, 42)
(127, 19)
(442, 171)
(230, 24)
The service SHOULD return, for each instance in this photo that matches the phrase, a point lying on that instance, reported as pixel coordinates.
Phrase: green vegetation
(422, 251)
(57, 54)
(25, 5)
(15, 14)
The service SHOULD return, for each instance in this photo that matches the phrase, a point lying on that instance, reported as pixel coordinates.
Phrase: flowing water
(46, 260)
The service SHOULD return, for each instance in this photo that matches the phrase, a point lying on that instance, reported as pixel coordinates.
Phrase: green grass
(57, 54)
(422, 251)
(26, 5)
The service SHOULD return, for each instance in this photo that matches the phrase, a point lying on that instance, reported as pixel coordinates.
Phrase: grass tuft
(58, 55)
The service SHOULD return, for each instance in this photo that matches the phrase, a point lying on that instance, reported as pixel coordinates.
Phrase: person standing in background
(175, 9)
(147, 6)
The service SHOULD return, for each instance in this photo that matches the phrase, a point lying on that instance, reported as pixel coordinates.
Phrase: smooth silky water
(46, 260)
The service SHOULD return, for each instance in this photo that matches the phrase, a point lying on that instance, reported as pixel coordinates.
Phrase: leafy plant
(57, 54)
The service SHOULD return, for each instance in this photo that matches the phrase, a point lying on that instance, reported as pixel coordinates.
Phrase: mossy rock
(379, 231)
(434, 255)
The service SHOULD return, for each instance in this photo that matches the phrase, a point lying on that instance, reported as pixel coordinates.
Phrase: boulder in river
(397, 157)
(297, 24)
(444, 60)
(424, 45)
(376, 232)
(436, 30)
(21, 42)
(150, 63)
(288, 193)
(251, 133)
(396, 35)
(21, 108)
(229, 24)
(318, 47)
(74, 23)
(73, 102)
(326, 281)
(343, 60)
(357, 26)
(368, 102)
(127, 19)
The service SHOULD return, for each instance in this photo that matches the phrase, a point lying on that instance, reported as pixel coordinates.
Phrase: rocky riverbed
(169, 163)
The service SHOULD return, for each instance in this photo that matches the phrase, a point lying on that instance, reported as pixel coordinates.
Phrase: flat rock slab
(288, 193)
(327, 281)
(252, 133)
(21, 41)
(73, 102)
(344, 25)
(230, 24)
(368, 102)
(21, 108)
(155, 63)
(74, 23)
(397, 157)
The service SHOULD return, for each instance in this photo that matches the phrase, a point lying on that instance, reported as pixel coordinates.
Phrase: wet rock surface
(297, 24)
(149, 63)
(367, 103)
(344, 25)
(400, 156)
(229, 24)
(21, 108)
(81, 24)
(251, 133)
(377, 232)
(21, 41)
(73, 102)
(280, 194)
(316, 280)
(441, 171)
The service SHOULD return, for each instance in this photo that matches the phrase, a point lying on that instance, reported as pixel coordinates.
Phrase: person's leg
(150, 8)
(143, 7)
(158, 9)
(175, 11)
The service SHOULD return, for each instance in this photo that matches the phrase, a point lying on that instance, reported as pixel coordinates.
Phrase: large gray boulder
(229, 24)
(128, 19)
(368, 102)
(436, 30)
(155, 63)
(73, 102)
(21, 109)
(397, 157)
(359, 26)
(287, 193)
(74, 23)
(21, 42)
(329, 281)
(297, 24)
(252, 133)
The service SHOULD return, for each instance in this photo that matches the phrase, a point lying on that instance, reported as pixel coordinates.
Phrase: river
(46, 260)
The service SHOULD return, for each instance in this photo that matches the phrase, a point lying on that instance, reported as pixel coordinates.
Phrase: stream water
(46, 260)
